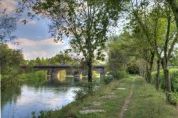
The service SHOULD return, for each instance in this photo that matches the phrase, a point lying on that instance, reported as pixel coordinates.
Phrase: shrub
(174, 79)
(173, 99)
(107, 79)
(133, 69)
(118, 74)
(81, 94)
(37, 77)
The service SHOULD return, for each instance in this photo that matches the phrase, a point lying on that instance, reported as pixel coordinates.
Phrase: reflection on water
(28, 99)
(10, 95)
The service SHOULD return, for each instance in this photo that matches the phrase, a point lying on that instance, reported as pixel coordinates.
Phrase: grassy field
(108, 102)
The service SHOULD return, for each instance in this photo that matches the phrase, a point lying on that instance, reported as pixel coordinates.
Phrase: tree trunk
(150, 67)
(167, 80)
(148, 74)
(168, 84)
(89, 64)
(158, 74)
(90, 86)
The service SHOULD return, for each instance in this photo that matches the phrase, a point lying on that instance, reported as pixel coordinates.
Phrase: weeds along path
(127, 101)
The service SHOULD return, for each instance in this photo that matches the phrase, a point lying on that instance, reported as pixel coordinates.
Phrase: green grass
(146, 102)
(36, 77)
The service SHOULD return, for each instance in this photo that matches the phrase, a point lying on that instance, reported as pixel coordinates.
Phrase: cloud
(36, 53)
(38, 48)
(28, 43)
(9, 5)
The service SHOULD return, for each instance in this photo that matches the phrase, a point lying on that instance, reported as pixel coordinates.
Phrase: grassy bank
(7, 80)
(108, 100)
(35, 77)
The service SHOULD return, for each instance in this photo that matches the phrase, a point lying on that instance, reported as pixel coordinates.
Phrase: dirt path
(126, 103)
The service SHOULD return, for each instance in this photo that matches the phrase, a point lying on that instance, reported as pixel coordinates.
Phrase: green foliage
(35, 77)
(174, 79)
(10, 62)
(85, 22)
(174, 59)
(173, 99)
(63, 57)
(118, 74)
(107, 79)
(133, 69)
(41, 115)
(122, 56)
(10, 59)
(118, 52)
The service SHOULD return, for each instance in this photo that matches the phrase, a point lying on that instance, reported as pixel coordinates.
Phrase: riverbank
(131, 97)
(34, 77)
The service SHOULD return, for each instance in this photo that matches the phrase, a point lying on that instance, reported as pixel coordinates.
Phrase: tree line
(149, 39)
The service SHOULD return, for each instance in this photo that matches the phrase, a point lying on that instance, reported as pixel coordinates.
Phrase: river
(21, 102)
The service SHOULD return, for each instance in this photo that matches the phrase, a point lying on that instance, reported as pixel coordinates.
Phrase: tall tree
(142, 35)
(143, 17)
(8, 68)
(118, 52)
(86, 22)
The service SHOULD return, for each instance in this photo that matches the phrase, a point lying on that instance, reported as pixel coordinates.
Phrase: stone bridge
(76, 71)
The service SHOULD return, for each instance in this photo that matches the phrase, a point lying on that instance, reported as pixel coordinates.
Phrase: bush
(133, 69)
(38, 77)
(174, 79)
(118, 74)
(82, 93)
(173, 99)
(107, 79)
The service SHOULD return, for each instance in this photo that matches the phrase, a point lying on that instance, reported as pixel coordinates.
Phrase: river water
(21, 102)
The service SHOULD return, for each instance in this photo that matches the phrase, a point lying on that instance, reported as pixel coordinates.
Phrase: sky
(35, 41)
(34, 38)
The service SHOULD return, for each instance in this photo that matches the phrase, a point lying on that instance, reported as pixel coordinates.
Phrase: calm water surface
(28, 99)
